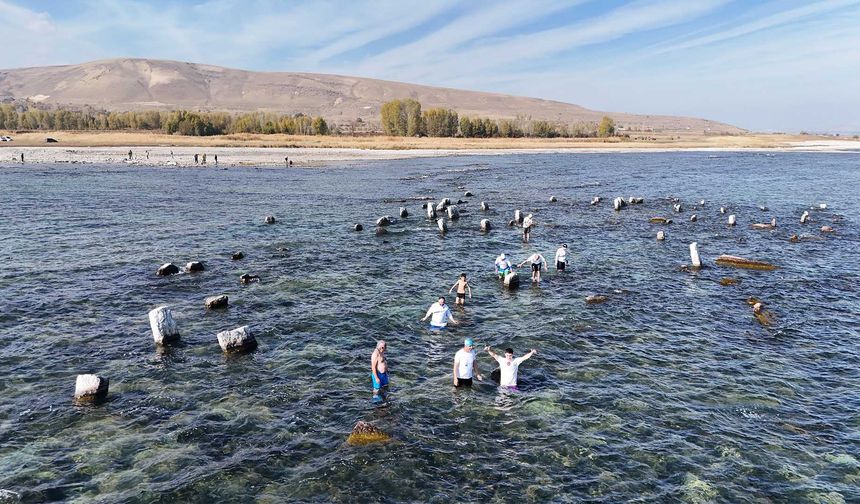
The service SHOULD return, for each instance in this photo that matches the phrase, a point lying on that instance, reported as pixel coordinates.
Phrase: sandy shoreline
(183, 156)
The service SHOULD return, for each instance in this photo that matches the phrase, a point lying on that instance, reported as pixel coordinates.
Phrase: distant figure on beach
(508, 366)
(537, 261)
(462, 285)
(378, 369)
(195, 159)
(204, 158)
(528, 224)
(22, 158)
(503, 266)
(129, 154)
(147, 155)
(465, 366)
(561, 258)
(440, 314)
(216, 159)
(286, 161)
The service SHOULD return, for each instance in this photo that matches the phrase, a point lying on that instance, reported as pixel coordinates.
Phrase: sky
(762, 65)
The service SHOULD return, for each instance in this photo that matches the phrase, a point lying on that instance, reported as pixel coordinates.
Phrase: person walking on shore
(204, 158)
(378, 370)
(465, 365)
(129, 154)
(528, 224)
(561, 258)
(462, 285)
(441, 314)
(508, 366)
(537, 261)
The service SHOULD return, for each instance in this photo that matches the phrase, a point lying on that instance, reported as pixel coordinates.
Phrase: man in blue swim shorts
(378, 369)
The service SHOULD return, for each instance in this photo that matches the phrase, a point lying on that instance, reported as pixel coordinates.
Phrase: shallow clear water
(669, 391)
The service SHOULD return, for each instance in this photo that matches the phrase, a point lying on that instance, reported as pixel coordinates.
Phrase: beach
(155, 149)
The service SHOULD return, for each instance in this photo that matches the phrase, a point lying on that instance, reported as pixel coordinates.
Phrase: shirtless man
(462, 286)
(537, 262)
(378, 369)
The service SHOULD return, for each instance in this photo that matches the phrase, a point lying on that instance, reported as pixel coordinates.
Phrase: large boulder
(237, 340)
(270, 219)
(595, 200)
(596, 299)
(167, 269)
(164, 328)
(364, 433)
(443, 226)
(358, 227)
(484, 206)
(90, 388)
(468, 194)
(216, 302)
(195, 266)
(553, 199)
(237, 255)
(512, 280)
(246, 278)
(431, 212)
(383, 221)
(518, 216)
(453, 212)
(403, 213)
(485, 225)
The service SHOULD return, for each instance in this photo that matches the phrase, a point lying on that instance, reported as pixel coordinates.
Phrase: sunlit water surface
(668, 391)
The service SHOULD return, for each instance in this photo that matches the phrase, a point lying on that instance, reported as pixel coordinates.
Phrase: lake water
(669, 391)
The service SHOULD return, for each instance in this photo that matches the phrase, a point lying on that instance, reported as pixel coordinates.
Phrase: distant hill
(140, 84)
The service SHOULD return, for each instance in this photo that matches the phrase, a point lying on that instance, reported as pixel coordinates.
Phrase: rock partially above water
(740, 262)
(403, 213)
(167, 269)
(358, 227)
(216, 302)
(246, 278)
(194, 266)
(270, 219)
(468, 194)
(726, 281)
(512, 280)
(237, 340)
(90, 388)
(237, 255)
(164, 328)
(553, 199)
(484, 206)
(453, 212)
(383, 221)
(485, 225)
(364, 433)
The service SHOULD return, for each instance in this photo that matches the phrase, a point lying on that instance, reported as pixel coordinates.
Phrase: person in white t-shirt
(561, 258)
(465, 365)
(440, 314)
(537, 261)
(508, 366)
(528, 224)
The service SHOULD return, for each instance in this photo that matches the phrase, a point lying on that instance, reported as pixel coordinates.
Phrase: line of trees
(405, 118)
(177, 122)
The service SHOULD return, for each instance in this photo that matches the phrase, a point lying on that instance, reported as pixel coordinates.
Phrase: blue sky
(763, 65)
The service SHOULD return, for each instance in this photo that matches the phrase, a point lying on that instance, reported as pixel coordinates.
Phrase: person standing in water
(462, 286)
(441, 314)
(537, 262)
(561, 258)
(465, 366)
(195, 159)
(528, 224)
(508, 366)
(378, 369)
(503, 266)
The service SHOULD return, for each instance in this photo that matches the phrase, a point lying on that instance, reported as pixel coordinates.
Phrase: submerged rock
(364, 433)
(740, 262)
(659, 220)
(216, 302)
(90, 388)
(596, 299)
(727, 281)
(167, 269)
(764, 317)
(827, 229)
(237, 340)
(380, 231)
(164, 328)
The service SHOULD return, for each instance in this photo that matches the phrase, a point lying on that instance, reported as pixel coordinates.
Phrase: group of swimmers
(465, 364)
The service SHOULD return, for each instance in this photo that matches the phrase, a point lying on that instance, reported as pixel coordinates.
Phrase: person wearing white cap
(528, 224)
(465, 365)
(503, 266)
(537, 261)
(561, 258)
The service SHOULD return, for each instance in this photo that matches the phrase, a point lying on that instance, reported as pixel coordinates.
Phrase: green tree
(320, 127)
(606, 128)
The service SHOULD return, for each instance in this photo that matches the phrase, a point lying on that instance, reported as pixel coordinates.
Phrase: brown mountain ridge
(141, 84)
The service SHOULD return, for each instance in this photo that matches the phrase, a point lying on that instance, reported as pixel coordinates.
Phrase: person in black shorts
(561, 258)
(462, 286)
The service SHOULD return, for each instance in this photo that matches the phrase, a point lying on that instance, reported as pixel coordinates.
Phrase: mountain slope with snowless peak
(142, 84)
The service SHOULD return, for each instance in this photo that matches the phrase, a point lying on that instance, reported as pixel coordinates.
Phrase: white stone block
(164, 329)
(237, 340)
